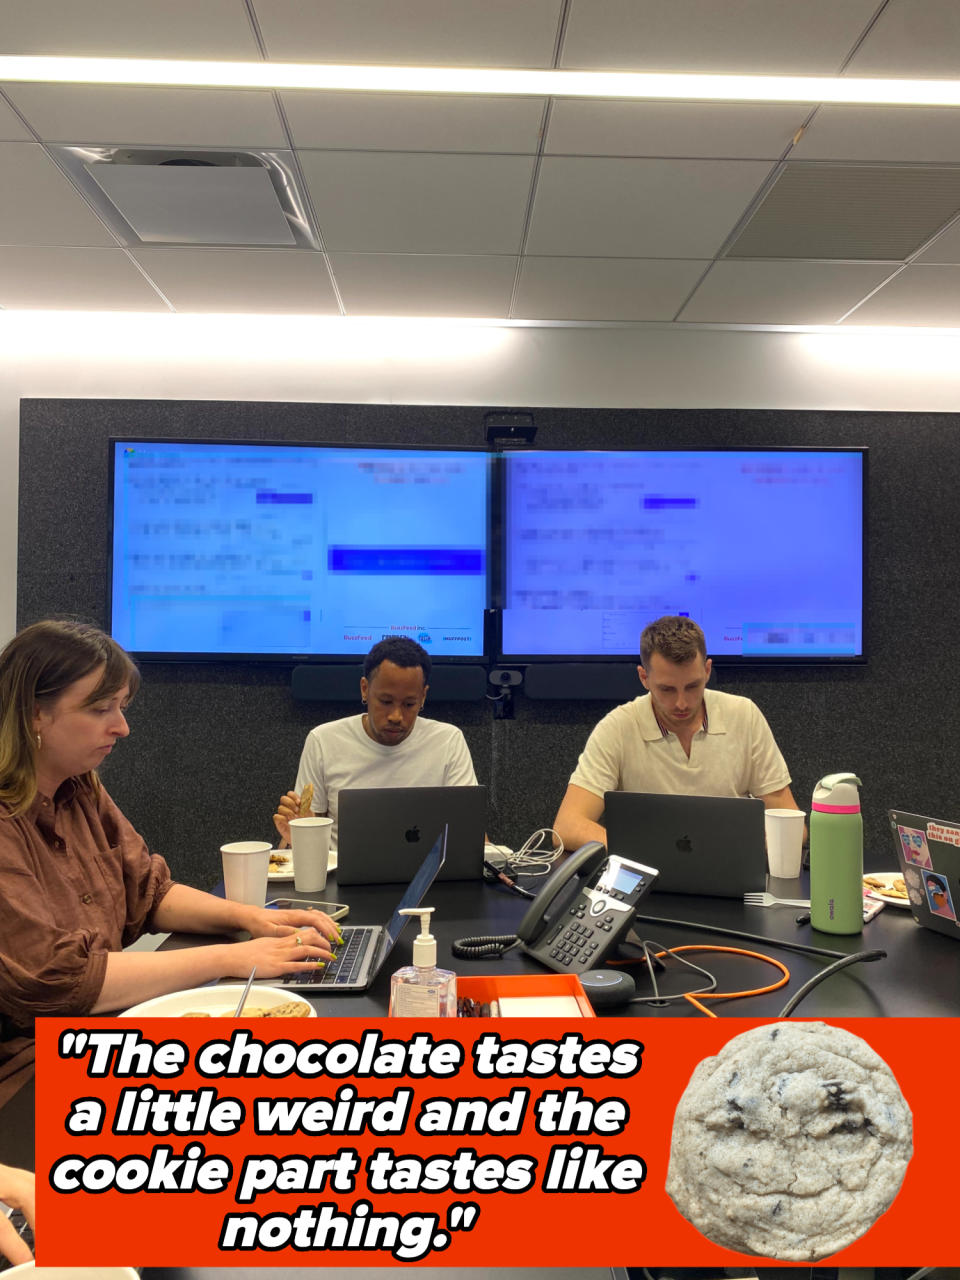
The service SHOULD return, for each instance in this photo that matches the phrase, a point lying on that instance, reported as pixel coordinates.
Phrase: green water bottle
(836, 855)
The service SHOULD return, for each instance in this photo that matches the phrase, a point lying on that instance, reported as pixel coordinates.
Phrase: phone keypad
(574, 943)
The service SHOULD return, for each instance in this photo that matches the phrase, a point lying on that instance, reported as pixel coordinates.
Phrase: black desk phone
(585, 908)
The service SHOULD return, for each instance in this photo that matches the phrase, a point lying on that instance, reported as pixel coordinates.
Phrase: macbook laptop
(384, 830)
(928, 851)
(711, 845)
(366, 946)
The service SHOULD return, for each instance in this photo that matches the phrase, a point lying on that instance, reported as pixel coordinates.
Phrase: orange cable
(695, 998)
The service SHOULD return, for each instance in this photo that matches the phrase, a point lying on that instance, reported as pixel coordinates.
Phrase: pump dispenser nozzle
(425, 944)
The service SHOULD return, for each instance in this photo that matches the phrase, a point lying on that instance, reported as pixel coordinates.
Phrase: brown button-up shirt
(76, 882)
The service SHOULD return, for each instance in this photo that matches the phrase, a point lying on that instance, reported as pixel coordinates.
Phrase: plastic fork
(771, 900)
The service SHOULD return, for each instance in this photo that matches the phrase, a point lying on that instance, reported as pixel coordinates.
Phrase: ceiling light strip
(481, 81)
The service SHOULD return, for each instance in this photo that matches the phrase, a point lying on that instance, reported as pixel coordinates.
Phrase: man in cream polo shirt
(680, 738)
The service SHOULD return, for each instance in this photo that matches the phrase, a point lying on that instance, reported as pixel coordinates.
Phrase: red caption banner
(449, 1142)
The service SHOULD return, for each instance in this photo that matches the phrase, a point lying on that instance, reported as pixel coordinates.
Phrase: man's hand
(289, 807)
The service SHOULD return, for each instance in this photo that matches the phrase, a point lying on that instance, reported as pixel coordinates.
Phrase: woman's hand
(289, 807)
(296, 950)
(17, 1189)
(265, 922)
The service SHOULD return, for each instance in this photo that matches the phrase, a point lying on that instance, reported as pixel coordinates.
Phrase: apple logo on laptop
(412, 835)
(685, 844)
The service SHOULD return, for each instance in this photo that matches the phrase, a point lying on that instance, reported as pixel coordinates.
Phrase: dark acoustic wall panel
(330, 682)
(214, 745)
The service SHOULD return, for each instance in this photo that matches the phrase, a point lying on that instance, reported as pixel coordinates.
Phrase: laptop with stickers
(928, 851)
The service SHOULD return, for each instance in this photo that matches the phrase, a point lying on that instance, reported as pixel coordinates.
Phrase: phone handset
(552, 898)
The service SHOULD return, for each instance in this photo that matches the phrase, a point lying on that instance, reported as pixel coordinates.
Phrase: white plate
(218, 1001)
(888, 878)
(285, 872)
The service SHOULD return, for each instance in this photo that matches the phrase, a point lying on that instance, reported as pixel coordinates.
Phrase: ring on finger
(298, 940)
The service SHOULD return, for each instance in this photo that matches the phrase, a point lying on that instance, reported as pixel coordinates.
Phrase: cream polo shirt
(735, 755)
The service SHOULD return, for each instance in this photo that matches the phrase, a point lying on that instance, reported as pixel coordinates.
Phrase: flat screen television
(763, 547)
(272, 550)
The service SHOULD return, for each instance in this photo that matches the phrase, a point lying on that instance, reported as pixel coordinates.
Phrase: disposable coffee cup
(246, 865)
(784, 828)
(310, 842)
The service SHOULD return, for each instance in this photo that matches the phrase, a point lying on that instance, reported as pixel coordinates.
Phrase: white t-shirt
(340, 754)
(735, 755)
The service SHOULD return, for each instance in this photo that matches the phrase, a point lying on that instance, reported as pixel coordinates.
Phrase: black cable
(750, 937)
(479, 948)
(817, 978)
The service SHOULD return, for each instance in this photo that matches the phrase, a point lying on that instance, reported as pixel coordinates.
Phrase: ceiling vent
(154, 196)
(858, 212)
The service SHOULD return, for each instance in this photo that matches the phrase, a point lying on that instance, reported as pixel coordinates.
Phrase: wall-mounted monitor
(764, 548)
(267, 550)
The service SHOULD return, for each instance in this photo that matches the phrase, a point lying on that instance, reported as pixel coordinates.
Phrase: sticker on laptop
(943, 835)
(938, 895)
(914, 845)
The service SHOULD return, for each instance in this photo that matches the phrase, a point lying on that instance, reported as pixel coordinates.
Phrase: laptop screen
(413, 895)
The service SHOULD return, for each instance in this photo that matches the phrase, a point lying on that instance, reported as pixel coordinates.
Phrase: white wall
(443, 362)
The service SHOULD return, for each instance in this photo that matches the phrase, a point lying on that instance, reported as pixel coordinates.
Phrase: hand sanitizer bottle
(421, 990)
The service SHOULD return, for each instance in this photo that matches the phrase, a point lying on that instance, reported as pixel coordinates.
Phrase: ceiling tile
(946, 247)
(916, 134)
(640, 208)
(12, 128)
(828, 210)
(604, 288)
(917, 296)
(579, 127)
(268, 281)
(378, 284)
(782, 292)
(401, 122)
(73, 280)
(39, 206)
(389, 202)
(911, 38)
(128, 28)
(496, 33)
(762, 36)
(150, 117)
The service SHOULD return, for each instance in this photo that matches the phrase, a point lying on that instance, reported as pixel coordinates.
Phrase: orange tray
(493, 986)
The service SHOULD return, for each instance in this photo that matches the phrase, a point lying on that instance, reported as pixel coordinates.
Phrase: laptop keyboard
(346, 965)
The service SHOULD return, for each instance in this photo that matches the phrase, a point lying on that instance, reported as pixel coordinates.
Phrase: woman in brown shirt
(77, 883)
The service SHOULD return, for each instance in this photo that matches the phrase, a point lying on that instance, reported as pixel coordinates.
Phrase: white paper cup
(310, 842)
(246, 865)
(72, 1273)
(784, 828)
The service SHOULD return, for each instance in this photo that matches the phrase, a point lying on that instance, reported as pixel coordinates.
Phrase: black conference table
(920, 976)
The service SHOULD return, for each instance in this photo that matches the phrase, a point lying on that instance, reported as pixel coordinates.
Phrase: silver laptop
(366, 946)
(384, 830)
(928, 851)
(711, 845)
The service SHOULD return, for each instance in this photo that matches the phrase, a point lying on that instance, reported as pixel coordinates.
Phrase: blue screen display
(764, 549)
(266, 549)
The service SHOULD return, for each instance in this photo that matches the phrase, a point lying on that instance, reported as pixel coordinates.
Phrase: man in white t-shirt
(389, 745)
(680, 738)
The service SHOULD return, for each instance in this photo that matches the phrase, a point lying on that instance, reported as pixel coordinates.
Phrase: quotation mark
(462, 1217)
(73, 1044)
